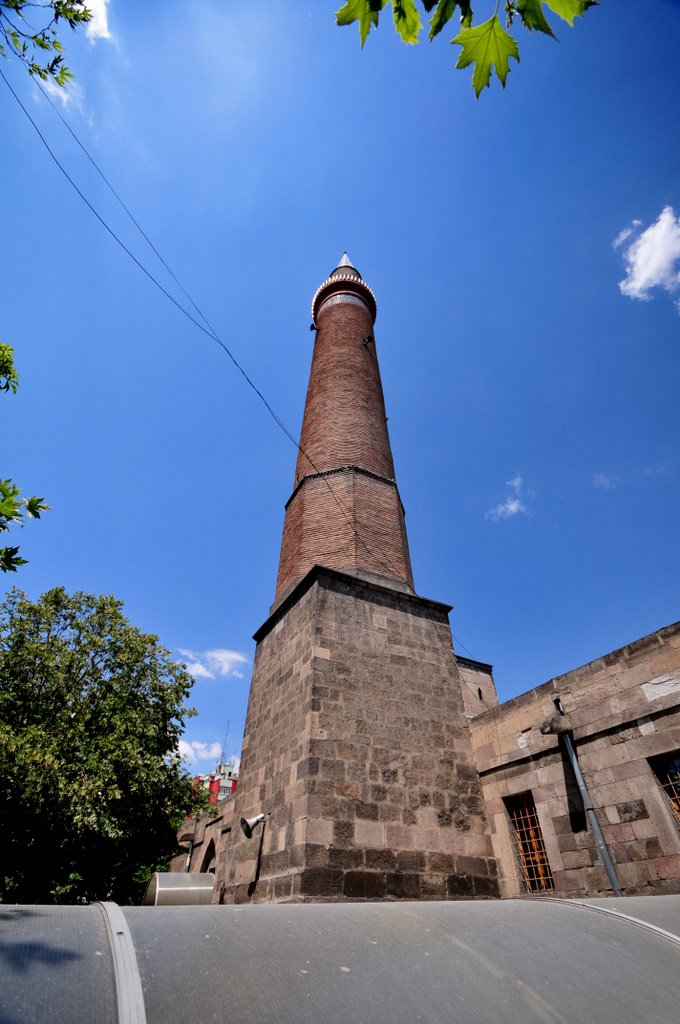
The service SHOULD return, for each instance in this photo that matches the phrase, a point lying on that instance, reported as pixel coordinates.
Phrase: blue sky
(533, 403)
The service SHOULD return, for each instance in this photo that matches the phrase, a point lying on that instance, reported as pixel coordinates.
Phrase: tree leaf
(531, 13)
(91, 711)
(570, 9)
(9, 560)
(366, 12)
(35, 506)
(34, 39)
(9, 378)
(487, 46)
(406, 20)
(445, 11)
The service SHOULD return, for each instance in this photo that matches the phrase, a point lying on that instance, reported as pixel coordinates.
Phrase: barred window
(667, 770)
(531, 852)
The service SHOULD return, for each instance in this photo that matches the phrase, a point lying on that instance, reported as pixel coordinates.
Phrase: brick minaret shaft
(345, 511)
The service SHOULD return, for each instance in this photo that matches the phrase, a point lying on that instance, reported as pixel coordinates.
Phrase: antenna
(223, 759)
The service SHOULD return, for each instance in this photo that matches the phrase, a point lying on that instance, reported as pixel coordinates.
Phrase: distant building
(381, 760)
(221, 783)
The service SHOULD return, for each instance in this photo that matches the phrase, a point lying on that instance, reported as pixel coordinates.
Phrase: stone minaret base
(357, 749)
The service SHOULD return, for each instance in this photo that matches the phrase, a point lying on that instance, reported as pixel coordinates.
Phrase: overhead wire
(205, 327)
(208, 329)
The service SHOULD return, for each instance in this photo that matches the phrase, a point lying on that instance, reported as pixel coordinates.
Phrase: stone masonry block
(368, 885)
(644, 829)
(370, 833)
(621, 833)
(577, 859)
(402, 885)
(339, 857)
(611, 814)
(567, 881)
(380, 859)
(485, 888)
(459, 887)
(319, 831)
(310, 766)
(668, 867)
(343, 833)
(476, 866)
(283, 888)
(411, 860)
(632, 810)
(321, 882)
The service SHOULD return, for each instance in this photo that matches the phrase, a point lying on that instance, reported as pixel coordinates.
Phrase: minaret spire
(345, 512)
(345, 266)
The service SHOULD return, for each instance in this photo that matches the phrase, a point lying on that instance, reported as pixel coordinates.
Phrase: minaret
(356, 746)
(345, 511)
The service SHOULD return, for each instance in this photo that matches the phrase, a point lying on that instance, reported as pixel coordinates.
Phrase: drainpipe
(566, 739)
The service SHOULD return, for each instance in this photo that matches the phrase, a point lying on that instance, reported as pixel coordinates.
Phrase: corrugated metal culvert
(512, 962)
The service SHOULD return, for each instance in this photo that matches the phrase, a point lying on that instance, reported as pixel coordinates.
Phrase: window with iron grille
(667, 770)
(531, 852)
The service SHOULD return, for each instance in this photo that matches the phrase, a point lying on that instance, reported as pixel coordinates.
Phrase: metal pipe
(568, 742)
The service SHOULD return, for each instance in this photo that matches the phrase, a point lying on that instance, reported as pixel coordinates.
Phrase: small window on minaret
(479, 693)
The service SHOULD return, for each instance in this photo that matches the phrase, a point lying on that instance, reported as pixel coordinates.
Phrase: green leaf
(34, 38)
(366, 12)
(91, 710)
(487, 46)
(406, 20)
(9, 378)
(570, 9)
(34, 507)
(445, 11)
(9, 560)
(531, 13)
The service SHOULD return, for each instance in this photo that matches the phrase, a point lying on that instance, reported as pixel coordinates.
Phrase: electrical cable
(208, 329)
(121, 201)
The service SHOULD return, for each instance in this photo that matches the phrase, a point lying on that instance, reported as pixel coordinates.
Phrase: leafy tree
(13, 508)
(488, 45)
(92, 789)
(38, 46)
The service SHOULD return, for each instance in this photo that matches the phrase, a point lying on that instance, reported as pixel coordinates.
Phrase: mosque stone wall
(623, 712)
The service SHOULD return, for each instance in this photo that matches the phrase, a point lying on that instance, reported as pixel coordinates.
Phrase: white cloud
(70, 95)
(626, 233)
(653, 259)
(98, 25)
(510, 507)
(656, 469)
(193, 751)
(603, 482)
(211, 664)
(514, 504)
